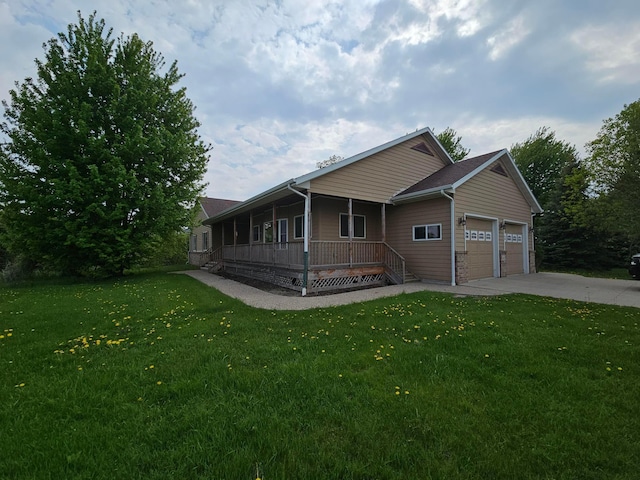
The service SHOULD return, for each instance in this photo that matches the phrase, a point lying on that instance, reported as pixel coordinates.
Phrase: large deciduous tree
(614, 161)
(545, 163)
(103, 158)
(541, 159)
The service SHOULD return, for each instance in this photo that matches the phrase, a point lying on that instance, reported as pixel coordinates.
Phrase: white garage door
(514, 243)
(480, 248)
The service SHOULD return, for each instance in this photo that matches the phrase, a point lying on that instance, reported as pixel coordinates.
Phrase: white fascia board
(473, 173)
(422, 194)
(348, 161)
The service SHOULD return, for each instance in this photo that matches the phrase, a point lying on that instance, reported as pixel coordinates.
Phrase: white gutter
(305, 270)
(453, 238)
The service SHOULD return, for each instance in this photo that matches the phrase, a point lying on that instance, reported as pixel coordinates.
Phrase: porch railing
(321, 254)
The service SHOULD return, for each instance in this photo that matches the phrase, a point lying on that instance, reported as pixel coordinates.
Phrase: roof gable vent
(499, 169)
(422, 148)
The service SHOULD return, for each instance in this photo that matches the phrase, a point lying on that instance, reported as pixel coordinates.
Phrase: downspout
(453, 237)
(305, 268)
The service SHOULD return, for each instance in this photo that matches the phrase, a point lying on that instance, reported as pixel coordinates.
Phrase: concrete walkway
(557, 285)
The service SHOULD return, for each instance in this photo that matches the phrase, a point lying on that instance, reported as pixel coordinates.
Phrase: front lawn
(157, 376)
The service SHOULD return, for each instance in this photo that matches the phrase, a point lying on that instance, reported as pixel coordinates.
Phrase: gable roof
(212, 206)
(453, 176)
(348, 161)
(284, 189)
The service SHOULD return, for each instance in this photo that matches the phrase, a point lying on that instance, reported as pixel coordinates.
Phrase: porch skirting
(319, 279)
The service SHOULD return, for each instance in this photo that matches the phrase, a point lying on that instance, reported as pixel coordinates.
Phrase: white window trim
(257, 228)
(352, 225)
(295, 219)
(426, 232)
(279, 222)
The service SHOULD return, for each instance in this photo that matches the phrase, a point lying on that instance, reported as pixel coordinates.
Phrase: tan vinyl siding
(378, 177)
(325, 214)
(425, 259)
(198, 230)
(492, 195)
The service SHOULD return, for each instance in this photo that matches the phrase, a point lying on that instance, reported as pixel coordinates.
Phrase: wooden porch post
(273, 232)
(250, 233)
(235, 238)
(383, 219)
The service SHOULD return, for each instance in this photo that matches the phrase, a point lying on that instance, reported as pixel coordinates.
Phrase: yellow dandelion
(158, 382)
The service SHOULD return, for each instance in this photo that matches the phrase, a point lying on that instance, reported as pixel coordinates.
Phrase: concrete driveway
(558, 285)
(567, 286)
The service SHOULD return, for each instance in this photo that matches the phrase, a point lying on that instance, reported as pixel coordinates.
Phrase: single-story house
(200, 235)
(401, 211)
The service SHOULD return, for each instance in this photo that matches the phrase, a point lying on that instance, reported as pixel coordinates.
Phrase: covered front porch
(331, 265)
(340, 244)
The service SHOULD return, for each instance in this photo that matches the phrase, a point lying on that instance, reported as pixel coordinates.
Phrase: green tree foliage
(614, 162)
(103, 158)
(541, 159)
(452, 143)
(566, 236)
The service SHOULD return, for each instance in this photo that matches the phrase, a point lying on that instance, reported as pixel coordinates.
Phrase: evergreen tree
(103, 159)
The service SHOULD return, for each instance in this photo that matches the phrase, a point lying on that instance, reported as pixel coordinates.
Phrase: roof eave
(422, 194)
(274, 193)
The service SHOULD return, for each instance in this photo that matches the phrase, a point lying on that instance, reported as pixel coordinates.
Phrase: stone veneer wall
(462, 268)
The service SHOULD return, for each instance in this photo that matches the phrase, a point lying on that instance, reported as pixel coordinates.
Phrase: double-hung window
(359, 226)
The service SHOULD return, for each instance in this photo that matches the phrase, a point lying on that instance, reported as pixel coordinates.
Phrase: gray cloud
(281, 85)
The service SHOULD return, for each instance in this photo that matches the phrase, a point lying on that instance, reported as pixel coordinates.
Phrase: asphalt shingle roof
(213, 206)
(449, 174)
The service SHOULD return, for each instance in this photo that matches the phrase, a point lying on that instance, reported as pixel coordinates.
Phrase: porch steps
(410, 277)
(212, 266)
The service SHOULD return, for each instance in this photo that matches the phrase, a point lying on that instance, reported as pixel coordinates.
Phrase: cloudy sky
(281, 85)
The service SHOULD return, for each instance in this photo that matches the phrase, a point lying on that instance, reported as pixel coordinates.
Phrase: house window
(194, 243)
(205, 240)
(257, 233)
(298, 226)
(359, 226)
(268, 232)
(283, 233)
(427, 232)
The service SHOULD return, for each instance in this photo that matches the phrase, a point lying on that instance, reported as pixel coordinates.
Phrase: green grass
(157, 376)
